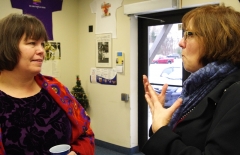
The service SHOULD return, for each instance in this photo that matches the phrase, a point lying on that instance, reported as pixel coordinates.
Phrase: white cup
(62, 149)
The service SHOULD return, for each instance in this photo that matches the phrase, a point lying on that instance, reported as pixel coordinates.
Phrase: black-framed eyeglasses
(187, 34)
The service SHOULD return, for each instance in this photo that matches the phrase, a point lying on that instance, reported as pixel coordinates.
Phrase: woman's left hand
(160, 115)
(72, 153)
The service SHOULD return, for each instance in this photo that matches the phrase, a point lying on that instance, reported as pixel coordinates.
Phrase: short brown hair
(12, 28)
(218, 27)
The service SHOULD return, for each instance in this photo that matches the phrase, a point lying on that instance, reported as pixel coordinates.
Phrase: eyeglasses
(187, 34)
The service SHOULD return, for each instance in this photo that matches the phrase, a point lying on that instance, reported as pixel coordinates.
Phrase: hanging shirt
(105, 15)
(42, 9)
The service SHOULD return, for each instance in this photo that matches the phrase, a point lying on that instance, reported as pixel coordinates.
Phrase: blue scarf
(198, 85)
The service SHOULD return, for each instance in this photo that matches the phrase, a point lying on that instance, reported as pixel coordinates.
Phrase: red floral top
(82, 136)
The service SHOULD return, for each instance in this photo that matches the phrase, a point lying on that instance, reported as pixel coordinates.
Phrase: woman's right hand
(161, 96)
(160, 115)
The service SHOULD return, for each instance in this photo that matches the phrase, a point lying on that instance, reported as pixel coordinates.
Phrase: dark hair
(12, 29)
(218, 27)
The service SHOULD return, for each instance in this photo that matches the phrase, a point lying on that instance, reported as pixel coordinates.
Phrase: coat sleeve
(85, 144)
(223, 136)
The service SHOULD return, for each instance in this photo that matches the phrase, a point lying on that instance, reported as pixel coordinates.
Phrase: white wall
(112, 120)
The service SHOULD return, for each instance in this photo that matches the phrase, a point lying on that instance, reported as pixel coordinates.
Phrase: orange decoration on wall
(105, 7)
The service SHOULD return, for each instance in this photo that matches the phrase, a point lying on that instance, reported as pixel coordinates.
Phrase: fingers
(154, 100)
(152, 93)
(164, 89)
(145, 78)
(145, 83)
(151, 97)
(149, 101)
(176, 105)
(162, 95)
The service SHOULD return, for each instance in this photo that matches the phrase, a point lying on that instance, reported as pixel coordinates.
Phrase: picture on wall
(53, 50)
(103, 50)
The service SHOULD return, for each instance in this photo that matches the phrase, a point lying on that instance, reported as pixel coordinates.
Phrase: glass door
(159, 57)
(165, 61)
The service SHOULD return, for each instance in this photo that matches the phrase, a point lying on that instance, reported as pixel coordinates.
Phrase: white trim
(198, 5)
(150, 6)
(153, 6)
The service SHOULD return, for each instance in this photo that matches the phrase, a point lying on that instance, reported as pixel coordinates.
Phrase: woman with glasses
(206, 117)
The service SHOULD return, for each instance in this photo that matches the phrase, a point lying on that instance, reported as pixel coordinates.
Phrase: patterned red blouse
(82, 136)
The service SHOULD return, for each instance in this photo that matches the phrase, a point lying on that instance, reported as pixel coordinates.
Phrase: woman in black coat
(206, 117)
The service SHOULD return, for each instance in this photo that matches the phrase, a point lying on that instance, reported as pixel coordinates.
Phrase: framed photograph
(103, 50)
(53, 50)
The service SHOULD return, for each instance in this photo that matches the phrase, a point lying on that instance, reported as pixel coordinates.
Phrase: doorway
(160, 59)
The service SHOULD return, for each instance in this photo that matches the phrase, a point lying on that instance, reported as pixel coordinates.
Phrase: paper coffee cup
(62, 149)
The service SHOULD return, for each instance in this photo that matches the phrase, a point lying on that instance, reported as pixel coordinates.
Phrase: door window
(166, 65)
(158, 35)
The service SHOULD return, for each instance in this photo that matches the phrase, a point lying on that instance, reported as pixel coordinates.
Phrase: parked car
(172, 94)
(174, 55)
(172, 73)
(160, 59)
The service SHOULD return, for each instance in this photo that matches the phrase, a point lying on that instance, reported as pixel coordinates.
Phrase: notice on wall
(103, 76)
(51, 68)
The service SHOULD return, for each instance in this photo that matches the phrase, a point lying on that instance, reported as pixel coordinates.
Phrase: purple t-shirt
(42, 9)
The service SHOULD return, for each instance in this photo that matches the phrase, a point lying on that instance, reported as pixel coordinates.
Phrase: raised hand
(161, 96)
(160, 115)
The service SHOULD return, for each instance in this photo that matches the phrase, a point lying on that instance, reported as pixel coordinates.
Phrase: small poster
(51, 68)
(103, 50)
(103, 76)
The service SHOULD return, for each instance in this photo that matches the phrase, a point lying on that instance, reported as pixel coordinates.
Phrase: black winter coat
(211, 128)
